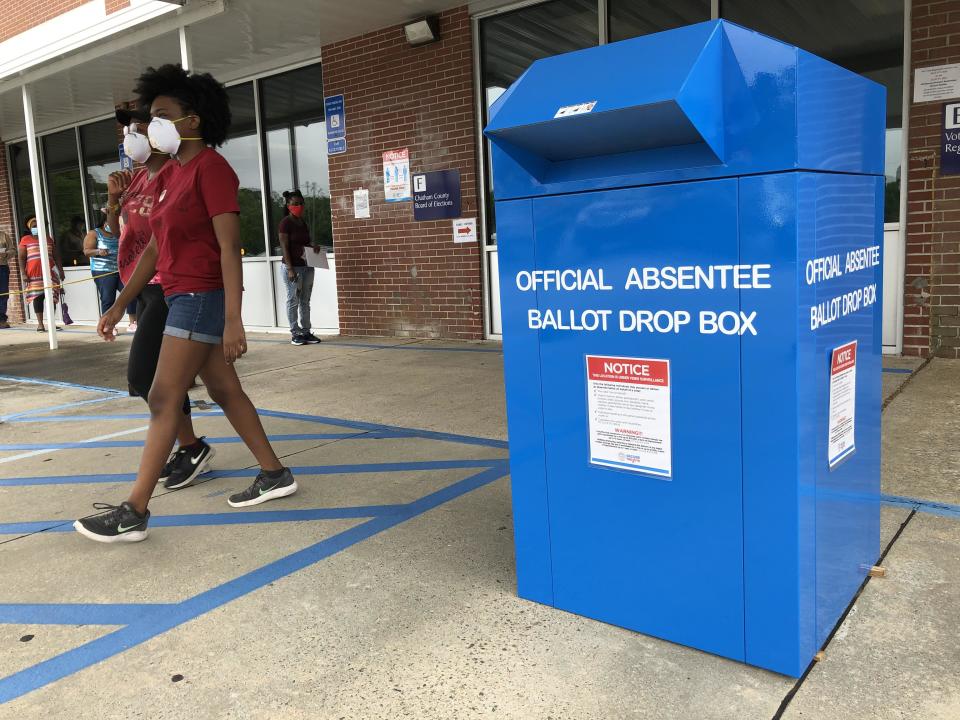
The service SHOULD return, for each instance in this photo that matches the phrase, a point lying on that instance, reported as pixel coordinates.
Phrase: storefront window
(23, 187)
(101, 156)
(242, 152)
(293, 118)
(866, 38)
(68, 221)
(632, 18)
(509, 43)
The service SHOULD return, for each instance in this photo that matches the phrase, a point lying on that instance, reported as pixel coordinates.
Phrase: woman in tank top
(100, 245)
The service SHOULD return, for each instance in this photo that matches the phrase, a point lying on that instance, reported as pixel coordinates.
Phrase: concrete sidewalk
(386, 588)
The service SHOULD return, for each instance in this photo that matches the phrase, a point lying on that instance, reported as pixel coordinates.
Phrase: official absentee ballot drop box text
(689, 230)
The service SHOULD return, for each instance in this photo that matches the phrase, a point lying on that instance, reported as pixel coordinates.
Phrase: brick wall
(396, 276)
(14, 304)
(932, 281)
(20, 15)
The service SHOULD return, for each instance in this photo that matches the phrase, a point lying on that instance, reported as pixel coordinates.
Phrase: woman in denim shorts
(195, 249)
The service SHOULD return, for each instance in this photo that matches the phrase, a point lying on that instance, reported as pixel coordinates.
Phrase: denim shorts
(196, 316)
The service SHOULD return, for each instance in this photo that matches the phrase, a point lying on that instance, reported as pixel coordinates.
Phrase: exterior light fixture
(421, 32)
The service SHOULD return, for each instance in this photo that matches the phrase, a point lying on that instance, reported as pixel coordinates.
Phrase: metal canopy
(249, 37)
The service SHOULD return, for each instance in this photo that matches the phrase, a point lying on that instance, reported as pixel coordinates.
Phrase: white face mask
(136, 145)
(163, 135)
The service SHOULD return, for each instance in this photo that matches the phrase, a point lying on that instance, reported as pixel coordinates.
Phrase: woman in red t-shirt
(130, 200)
(196, 250)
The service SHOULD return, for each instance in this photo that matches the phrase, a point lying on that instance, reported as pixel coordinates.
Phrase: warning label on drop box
(628, 401)
(843, 402)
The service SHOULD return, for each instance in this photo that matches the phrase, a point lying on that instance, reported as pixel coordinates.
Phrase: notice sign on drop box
(628, 402)
(843, 402)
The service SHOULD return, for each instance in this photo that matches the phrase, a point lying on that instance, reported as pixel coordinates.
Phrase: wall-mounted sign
(936, 83)
(396, 175)
(465, 230)
(361, 203)
(436, 195)
(336, 122)
(950, 142)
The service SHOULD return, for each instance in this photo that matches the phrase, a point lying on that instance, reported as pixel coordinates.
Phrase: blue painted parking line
(140, 622)
(226, 518)
(359, 425)
(19, 417)
(288, 437)
(405, 432)
(925, 506)
(153, 623)
(60, 384)
(77, 614)
(101, 418)
(350, 469)
(904, 371)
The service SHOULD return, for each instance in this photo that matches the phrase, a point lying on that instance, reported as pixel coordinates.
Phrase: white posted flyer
(628, 405)
(843, 402)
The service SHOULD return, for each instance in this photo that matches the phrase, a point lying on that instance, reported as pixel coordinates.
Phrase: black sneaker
(264, 489)
(310, 338)
(187, 463)
(121, 524)
(297, 340)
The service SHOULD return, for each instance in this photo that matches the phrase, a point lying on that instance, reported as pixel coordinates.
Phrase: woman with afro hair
(195, 249)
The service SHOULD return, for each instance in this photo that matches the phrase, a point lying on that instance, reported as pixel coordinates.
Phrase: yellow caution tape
(60, 285)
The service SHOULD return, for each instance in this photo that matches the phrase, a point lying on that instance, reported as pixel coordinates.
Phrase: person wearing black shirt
(297, 275)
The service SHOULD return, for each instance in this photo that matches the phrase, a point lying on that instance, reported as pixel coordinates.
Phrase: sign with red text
(628, 403)
(843, 402)
(396, 175)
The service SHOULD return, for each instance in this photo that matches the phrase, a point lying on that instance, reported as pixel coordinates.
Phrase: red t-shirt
(189, 259)
(135, 232)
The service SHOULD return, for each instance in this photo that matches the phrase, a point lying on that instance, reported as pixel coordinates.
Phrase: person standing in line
(31, 270)
(131, 197)
(100, 246)
(196, 248)
(297, 275)
(72, 241)
(6, 245)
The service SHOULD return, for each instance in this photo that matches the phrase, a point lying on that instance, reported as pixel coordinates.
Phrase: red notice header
(396, 155)
(844, 358)
(635, 371)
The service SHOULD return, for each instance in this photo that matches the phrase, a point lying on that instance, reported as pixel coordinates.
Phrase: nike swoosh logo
(122, 529)
(266, 490)
(195, 460)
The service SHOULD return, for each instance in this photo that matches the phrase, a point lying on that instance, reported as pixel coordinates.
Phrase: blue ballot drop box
(690, 228)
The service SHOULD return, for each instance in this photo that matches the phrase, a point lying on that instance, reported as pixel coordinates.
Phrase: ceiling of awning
(251, 36)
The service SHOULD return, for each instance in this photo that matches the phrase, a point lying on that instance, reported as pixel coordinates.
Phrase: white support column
(186, 57)
(40, 209)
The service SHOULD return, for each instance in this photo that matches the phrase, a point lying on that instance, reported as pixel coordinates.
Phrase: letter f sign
(952, 116)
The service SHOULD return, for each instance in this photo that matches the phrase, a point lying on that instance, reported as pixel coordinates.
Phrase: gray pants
(298, 296)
